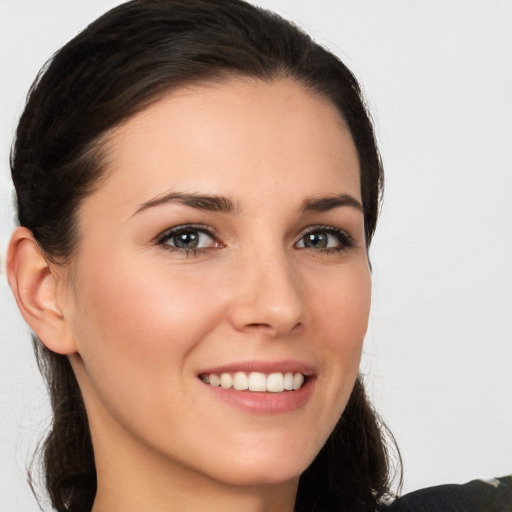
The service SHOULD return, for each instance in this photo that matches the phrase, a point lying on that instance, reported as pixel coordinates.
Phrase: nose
(268, 298)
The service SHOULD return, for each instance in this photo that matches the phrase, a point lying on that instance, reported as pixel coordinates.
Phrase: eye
(325, 238)
(188, 239)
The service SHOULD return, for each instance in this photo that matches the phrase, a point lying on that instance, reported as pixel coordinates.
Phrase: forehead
(241, 138)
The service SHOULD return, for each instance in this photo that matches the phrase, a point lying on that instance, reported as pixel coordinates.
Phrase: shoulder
(476, 496)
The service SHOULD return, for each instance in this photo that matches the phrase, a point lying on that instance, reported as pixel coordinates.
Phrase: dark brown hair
(124, 61)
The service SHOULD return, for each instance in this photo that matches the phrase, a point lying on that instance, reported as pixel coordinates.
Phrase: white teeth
(214, 379)
(257, 381)
(276, 382)
(298, 380)
(240, 381)
(288, 381)
(226, 381)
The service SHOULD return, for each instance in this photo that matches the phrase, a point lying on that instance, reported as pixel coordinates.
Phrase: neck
(167, 490)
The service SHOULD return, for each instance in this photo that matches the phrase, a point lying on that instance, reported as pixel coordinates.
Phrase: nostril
(259, 326)
(273, 329)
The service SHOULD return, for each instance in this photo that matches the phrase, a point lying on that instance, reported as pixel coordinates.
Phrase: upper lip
(283, 366)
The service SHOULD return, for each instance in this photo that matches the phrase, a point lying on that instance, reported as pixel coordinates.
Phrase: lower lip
(265, 402)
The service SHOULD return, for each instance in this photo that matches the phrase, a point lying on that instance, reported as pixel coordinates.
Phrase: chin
(248, 471)
(249, 477)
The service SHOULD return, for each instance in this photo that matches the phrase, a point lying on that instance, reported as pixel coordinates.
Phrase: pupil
(187, 240)
(317, 240)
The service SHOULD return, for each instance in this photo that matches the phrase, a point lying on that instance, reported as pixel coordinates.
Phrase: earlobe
(34, 286)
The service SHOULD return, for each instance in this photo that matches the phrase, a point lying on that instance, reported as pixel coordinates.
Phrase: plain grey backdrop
(438, 354)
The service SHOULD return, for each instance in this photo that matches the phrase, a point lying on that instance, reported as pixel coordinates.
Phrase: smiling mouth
(275, 382)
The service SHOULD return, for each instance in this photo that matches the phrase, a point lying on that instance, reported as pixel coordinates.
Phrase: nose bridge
(269, 292)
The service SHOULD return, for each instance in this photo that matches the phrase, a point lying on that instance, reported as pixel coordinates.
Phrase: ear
(35, 288)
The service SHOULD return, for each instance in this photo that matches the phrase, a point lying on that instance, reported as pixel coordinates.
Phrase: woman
(197, 186)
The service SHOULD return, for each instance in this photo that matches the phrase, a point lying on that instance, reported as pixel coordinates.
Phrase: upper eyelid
(187, 227)
(325, 227)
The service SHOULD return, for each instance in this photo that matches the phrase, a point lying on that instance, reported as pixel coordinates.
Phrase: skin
(140, 319)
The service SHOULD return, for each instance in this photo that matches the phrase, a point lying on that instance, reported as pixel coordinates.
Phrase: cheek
(342, 306)
(341, 311)
(137, 324)
(144, 305)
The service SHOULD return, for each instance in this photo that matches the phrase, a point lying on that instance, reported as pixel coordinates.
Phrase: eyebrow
(323, 204)
(211, 203)
(214, 203)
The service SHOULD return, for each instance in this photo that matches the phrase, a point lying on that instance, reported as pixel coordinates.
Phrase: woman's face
(226, 244)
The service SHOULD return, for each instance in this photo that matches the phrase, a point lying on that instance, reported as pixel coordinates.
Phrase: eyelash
(187, 228)
(344, 239)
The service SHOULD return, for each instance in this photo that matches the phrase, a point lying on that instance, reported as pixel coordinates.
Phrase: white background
(438, 77)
